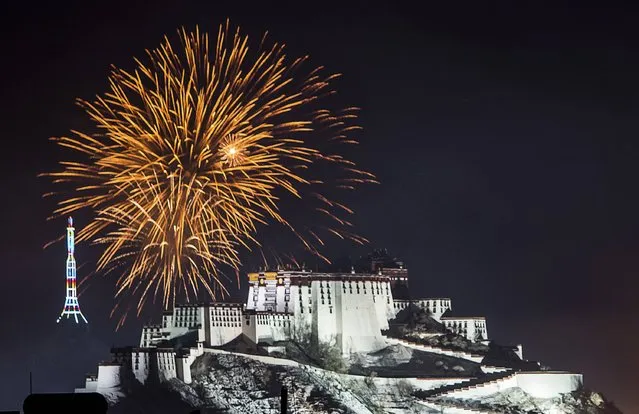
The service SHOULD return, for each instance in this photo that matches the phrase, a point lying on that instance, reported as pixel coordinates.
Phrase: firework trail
(193, 152)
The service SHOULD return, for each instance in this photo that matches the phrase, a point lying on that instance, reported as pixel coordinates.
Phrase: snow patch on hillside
(236, 384)
(515, 400)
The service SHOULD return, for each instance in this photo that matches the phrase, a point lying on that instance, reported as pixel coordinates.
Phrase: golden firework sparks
(233, 150)
(193, 152)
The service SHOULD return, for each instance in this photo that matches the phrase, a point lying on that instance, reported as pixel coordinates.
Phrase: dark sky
(505, 140)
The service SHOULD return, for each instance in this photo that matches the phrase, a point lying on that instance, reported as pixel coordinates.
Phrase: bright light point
(232, 151)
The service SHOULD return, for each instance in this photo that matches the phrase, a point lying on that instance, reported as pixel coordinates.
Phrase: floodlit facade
(349, 310)
(473, 328)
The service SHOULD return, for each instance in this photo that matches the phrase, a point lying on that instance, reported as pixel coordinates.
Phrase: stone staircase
(448, 390)
(435, 349)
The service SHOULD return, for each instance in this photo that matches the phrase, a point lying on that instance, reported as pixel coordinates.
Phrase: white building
(436, 307)
(223, 323)
(471, 327)
(349, 310)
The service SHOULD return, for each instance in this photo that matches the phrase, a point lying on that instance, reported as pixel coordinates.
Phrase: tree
(324, 354)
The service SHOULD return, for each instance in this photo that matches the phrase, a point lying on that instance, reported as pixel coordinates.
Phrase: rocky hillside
(243, 379)
(237, 384)
(227, 383)
(515, 401)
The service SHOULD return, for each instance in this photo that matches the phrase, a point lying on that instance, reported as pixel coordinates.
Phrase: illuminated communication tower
(71, 305)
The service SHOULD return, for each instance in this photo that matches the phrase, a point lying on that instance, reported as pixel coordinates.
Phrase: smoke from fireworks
(194, 150)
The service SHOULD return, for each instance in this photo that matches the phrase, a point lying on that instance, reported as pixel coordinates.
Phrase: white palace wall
(108, 376)
(539, 384)
(183, 363)
(265, 327)
(418, 383)
(472, 328)
(224, 323)
(150, 335)
(140, 364)
(435, 306)
(188, 316)
(348, 309)
(166, 364)
(359, 316)
(90, 384)
(549, 384)
(383, 299)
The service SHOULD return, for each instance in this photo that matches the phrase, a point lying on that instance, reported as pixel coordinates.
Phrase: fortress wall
(301, 304)
(108, 376)
(167, 319)
(249, 327)
(398, 305)
(90, 385)
(349, 313)
(436, 306)
(271, 328)
(315, 301)
(360, 325)
(325, 312)
(222, 335)
(140, 365)
(183, 366)
(166, 365)
(419, 383)
(261, 358)
(188, 316)
(422, 384)
(471, 328)
(548, 384)
(150, 333)
(224, 323)
(384, 304)
(183, 369)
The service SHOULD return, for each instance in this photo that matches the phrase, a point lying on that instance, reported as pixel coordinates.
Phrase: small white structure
(549, 384)
(471, 327)
(268, 327)
(151, 334)
(436, 307)
(108, 381)
(90, 384)
(223, 323)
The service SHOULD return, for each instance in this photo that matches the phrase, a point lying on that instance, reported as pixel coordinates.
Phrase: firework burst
(193, 151)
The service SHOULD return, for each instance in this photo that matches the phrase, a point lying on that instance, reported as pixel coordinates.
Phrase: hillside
(422, 369)
(236, 383)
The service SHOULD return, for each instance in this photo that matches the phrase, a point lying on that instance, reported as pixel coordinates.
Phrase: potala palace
(349, 310)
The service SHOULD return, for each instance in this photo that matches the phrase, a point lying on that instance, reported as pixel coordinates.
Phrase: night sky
(505, 141)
